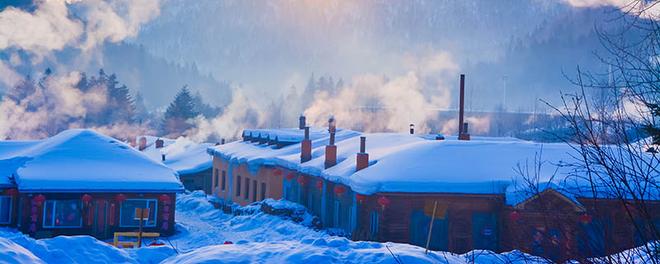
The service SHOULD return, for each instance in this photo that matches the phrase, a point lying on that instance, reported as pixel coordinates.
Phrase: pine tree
(181, 110)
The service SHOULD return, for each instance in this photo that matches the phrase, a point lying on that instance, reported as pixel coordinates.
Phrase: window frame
(215, 178)
(238, 186)
(52, 224)
(263, 191)
(11, 208)
(146, 223)
(246, 194)
(254, 190)
(224, 180)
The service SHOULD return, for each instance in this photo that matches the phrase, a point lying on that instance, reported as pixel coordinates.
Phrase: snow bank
(321, 250)
(84, 160)
(61, 249)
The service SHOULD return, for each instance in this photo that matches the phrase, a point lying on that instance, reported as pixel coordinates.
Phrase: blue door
(485, 231)
(419, 229)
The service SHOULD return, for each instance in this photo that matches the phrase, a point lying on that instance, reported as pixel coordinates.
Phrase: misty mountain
(272, 44)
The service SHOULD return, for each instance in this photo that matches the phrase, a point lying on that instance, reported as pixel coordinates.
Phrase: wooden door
(101, 219)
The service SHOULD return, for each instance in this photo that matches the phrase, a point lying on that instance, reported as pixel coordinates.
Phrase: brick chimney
(142, 144)
(462, 126)
(331, 148)
(306, 147)
(159, 143)
(362, 159)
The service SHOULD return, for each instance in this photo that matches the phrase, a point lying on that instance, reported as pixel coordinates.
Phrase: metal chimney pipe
(412, 129)
(461, 105)
(302, 122)
(363, 144)
(306, 132)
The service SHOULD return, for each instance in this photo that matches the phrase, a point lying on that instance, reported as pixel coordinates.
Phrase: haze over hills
(271, 45)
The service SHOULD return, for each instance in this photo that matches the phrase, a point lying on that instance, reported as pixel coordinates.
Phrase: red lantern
(120, 197)
(278, 172)
(319, 184)
(11, 192)
(585, 218)
(383, 201)
(514, 216)
(339, 190)
(302, 180)
(360, 197)
(290, 176)
(86, 198)
(164, 198)
(39, 199)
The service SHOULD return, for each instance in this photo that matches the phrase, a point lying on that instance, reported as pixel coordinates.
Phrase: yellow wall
(264, 175)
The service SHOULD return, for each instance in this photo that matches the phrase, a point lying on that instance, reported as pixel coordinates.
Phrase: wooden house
(81, 182)
(390, 191)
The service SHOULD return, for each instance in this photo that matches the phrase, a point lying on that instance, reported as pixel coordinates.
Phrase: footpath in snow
(257, 238)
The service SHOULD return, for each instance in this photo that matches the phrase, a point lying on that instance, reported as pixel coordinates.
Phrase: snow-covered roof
(84, 160)
(187, 157)
(151, 151)
(416, 163)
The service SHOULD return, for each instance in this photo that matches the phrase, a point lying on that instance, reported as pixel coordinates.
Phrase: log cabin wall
(266, 182)
(100, 215)
(462, 221)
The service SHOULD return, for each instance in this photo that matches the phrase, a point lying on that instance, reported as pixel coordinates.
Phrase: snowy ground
(257, 238)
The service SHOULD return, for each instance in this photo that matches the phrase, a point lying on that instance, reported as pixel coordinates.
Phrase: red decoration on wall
(319, 184)
(277, 172)
(339, 190)
(301, 180)
(111, 214)
(514, 216)
(290, 176)
(39, 199)
(12, 192)
(585, 218)
(360, 198)
(120, 197)
(86, 198)
(165, 199)
(383, 201)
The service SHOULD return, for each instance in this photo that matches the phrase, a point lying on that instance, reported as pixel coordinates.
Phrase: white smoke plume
(241, 113)
(55, 25)
(373, 103)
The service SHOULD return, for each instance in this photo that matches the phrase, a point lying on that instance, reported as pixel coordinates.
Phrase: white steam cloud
(55, 25)
(373, 103)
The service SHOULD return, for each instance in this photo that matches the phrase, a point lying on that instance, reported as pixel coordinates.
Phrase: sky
(246, 56)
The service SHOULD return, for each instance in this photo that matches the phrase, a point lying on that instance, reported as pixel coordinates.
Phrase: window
(5, 209)
(263, 191)
(127, 213)
(254, 190)
(246, 195)
(238, 186)
(224, 180)
(62, 214)
(215, 178)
